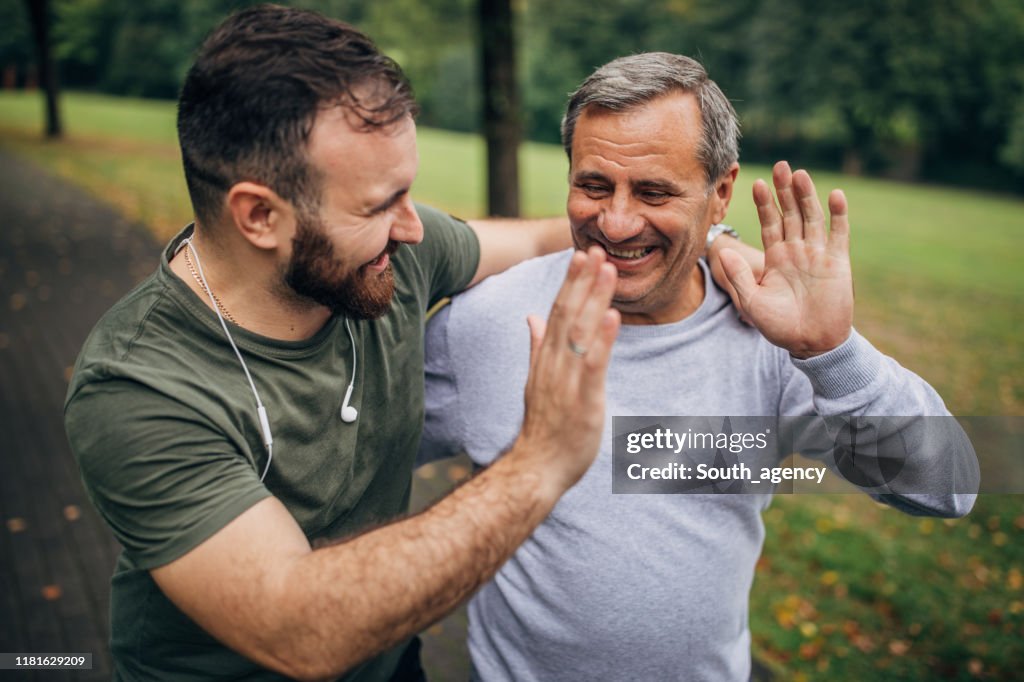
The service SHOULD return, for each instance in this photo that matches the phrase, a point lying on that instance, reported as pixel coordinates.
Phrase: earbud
(348, 413)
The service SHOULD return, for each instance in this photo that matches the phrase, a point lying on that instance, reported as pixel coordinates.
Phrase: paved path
(64, 259)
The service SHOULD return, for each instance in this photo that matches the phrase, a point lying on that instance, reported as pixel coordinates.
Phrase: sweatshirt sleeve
(442, 427)
(915, 448)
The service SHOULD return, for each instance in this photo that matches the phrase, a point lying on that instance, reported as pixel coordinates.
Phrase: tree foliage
(897, 87)
(16, 38)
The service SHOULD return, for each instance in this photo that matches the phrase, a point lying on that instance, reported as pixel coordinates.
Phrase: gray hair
(632, 81)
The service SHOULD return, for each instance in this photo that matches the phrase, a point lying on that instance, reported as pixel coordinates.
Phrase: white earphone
(348, 413)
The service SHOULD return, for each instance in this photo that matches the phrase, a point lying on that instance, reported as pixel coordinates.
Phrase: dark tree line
(918, 90)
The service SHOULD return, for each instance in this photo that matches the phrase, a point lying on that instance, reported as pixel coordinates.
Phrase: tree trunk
(40, 17)
(501, 107)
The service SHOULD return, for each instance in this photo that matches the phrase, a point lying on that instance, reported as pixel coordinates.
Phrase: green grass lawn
(846, 589)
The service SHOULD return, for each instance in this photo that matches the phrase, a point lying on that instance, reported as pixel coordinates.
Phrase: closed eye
(656, 192)
(389, 202)
(591, 188)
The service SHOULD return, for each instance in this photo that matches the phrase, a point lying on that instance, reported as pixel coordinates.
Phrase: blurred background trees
(918, 91)
(929, 91)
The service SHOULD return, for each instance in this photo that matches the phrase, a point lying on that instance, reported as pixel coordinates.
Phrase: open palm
(804, 300)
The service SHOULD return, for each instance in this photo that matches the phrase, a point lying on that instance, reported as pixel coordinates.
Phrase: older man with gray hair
(655, 587)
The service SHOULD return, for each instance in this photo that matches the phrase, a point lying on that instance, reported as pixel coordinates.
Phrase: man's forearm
(345, 603)
(375, 591)
(553, 234)
(504, 242)
(256, 585)
(547, 235)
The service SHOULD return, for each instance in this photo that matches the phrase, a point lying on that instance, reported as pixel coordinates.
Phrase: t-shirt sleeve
(164, 480)
(449, 253)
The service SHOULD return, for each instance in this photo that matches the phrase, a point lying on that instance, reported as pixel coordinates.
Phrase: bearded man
(261, 394)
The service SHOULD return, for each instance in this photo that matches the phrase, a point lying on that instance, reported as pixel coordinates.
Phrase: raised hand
(804, 300)
(569, 354)
(752, 255)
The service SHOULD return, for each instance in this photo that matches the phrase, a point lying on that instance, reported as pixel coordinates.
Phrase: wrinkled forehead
(663, 134)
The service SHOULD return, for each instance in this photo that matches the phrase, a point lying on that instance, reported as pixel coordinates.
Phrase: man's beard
(314, 273)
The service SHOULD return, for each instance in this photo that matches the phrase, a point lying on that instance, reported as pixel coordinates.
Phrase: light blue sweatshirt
(637, 587)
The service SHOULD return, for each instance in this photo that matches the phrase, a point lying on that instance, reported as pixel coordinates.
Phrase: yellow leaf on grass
(898, 647)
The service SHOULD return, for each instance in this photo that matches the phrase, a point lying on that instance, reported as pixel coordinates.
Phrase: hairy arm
(506, 242)
(257, 586)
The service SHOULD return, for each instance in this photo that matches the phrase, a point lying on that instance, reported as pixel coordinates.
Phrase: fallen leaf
(864, 643)
(850, 628)
(810, 650)
(808, 629)
(970, 629)
(898, 647)
(785, 618)
(457, 472)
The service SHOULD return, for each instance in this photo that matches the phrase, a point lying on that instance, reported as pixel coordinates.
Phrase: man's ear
(260, 215)
(722, 194)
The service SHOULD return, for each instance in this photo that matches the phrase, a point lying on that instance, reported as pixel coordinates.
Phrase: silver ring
(577, 350)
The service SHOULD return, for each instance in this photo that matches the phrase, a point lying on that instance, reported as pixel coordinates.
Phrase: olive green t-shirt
(164, 426)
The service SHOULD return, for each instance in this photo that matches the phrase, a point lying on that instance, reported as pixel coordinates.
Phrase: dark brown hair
(249, 101)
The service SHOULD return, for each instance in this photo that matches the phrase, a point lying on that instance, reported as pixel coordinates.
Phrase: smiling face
(638, 190)
(340, 257)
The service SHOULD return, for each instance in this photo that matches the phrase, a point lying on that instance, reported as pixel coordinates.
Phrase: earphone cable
(268, 439)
